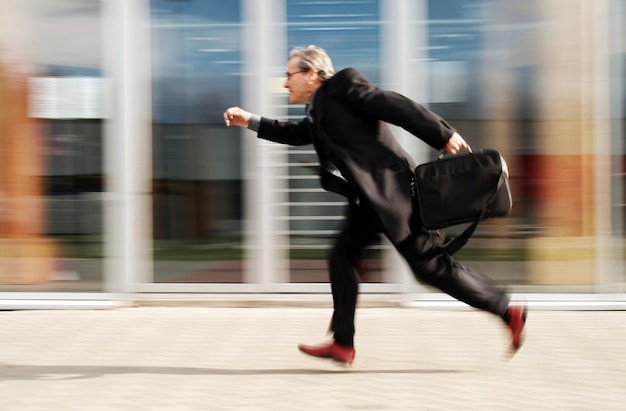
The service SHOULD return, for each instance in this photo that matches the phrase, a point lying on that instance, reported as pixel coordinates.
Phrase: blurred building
(119, 177)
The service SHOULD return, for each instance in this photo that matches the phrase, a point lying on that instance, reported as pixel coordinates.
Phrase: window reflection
(501, 71)
(197, 183)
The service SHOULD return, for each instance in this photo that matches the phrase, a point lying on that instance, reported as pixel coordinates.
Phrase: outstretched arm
(295, 134)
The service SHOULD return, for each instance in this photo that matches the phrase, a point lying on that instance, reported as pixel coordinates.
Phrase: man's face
(298, 83)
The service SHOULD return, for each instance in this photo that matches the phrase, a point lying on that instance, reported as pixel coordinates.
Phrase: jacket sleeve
(294, 134)
(394, 108)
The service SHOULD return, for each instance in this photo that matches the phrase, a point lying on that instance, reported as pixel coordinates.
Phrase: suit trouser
(424, 253)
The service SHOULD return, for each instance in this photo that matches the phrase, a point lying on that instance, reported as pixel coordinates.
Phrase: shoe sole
(331, 359)
(341, 364)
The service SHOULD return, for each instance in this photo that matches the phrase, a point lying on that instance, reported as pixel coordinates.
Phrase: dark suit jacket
(350, 131)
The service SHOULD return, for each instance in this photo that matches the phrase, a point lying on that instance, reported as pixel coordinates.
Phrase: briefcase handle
(445, 153)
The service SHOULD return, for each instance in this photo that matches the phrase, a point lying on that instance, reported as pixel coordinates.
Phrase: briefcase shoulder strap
(458, 242)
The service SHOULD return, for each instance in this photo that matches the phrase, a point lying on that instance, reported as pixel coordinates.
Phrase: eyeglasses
(289, 75)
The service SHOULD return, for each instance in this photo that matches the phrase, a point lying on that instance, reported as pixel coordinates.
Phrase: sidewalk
(206, 358)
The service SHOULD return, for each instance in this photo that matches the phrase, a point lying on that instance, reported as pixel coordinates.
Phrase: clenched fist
(235, 116)
(456, 143)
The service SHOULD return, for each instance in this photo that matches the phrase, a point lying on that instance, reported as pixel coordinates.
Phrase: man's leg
(357, 233)
(343, 266)
(430, 264)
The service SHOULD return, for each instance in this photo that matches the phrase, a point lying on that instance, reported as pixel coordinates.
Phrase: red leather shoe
(517, 320)
(332, 350)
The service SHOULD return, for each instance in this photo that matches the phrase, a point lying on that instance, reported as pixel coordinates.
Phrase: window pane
(197, 183)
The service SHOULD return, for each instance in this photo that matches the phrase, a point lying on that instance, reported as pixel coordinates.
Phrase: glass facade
(196, 174)
(226, 212)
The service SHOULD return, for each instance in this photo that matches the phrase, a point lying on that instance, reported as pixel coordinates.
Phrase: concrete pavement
(212, 358)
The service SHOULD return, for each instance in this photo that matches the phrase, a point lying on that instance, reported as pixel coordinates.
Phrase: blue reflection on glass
(196, 59)
(348, 30)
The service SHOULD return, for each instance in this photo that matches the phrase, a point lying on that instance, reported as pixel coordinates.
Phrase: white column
(128, 139)
(617, 16)
(608, 262)
(403, 51)
(264, 54)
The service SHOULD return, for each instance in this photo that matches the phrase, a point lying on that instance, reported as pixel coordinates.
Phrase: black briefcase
(462, 188)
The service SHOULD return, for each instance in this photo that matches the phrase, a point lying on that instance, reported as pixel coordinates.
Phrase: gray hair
(313, 57)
